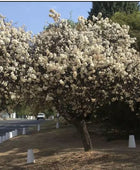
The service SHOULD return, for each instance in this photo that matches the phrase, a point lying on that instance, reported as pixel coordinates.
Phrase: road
(10, 125)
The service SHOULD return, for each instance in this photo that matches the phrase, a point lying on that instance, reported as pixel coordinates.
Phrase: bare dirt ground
(61, 149)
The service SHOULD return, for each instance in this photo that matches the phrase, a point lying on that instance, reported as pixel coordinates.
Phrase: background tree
(111, 7)
(23, 110)
(133, 20)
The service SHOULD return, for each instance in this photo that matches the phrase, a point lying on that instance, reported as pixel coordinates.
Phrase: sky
(35, 15)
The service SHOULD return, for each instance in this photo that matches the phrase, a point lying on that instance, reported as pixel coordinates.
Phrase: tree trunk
(82, 129)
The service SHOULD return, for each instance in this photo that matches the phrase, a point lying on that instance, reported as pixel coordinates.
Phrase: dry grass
(61, 149)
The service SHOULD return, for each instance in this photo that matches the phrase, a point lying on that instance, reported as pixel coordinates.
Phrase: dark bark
(82, 129)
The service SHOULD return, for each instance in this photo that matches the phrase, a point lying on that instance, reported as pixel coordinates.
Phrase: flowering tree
(15, 45)
(85, 67)
(76, 69)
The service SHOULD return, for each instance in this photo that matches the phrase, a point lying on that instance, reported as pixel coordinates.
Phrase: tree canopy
(111, 7)
(15, 46)
(77, 70)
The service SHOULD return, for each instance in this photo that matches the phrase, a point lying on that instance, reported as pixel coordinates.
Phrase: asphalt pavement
(10, 125)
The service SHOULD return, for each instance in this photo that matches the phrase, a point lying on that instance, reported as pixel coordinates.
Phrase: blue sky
(34, 15)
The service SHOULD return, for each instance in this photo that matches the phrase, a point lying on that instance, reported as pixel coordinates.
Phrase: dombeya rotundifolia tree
(15, 46)
(76, 69)
(85, 67)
